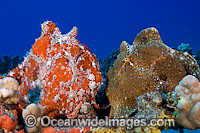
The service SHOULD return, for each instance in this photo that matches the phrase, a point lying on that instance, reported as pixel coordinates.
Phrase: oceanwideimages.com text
(129, 123)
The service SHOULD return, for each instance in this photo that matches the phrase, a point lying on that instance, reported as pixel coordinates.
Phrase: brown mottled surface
(145, 66)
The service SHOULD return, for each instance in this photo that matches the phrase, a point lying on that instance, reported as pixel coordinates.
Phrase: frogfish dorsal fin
(48, 28)
(124, 46)
(73, 33)
(146, 35)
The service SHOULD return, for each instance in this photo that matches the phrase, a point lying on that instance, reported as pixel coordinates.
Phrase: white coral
(188, 106)
(37, 111)
(4, 92)
(9, 82)
(9, 90)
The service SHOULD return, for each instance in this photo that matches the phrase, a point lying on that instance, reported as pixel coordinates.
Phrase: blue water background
(102, 24)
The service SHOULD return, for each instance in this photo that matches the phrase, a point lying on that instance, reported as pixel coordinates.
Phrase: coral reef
(8, 118)
(65, 70)
(197, 56)
(8, 63)
(9, 91)
(139, 80)
(70, 130)
(7, 123)
(52, 130)
(101, 97)
(9, 98)
(145, 66)
(109, 130)
(147, 130)
(154, 105)
(86, 111)
(148, 105)
(188, 106)
(37, 111)
(185, 47)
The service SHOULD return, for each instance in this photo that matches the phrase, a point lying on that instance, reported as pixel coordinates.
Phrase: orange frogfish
(65, 70)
